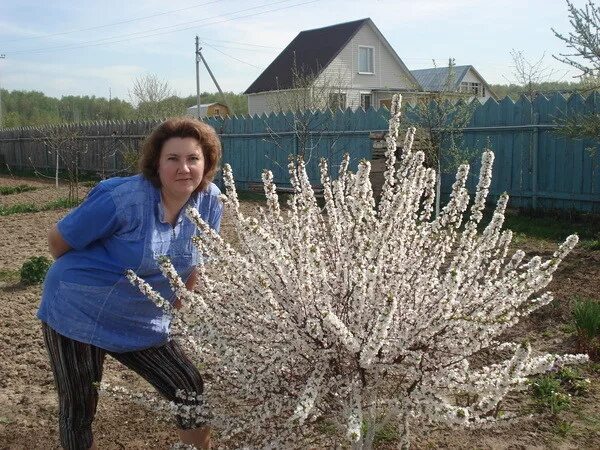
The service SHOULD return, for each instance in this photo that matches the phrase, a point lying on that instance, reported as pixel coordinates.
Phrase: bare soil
(28, 406)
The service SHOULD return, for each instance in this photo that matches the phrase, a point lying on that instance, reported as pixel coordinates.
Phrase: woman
(89, 308)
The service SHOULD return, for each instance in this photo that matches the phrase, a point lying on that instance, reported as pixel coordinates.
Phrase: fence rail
(537, 167)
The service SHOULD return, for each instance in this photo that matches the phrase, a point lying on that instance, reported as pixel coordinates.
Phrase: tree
(441, 116)
(529, 75)
(155, 98)
(308, 108)
(350, 317)
(584, 44)
(67, 148)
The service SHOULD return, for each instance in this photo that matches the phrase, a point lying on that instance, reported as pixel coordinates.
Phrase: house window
(337, 100)
(472, 88)
(365, 60)
(366, 100)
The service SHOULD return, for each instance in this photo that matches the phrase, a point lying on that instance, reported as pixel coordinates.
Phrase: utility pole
(199, 58)
(2, 56)
(198, 75)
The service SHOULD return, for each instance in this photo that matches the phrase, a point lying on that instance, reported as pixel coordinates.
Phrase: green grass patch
(552, 392)
(7, 190)
(9, 276)
(19, 208)
(586, 314)
(553, 229)
(549, 395)
(61, 203)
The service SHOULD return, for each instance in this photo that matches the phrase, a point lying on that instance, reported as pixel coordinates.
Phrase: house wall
(471, 77)
(343, 70)
(260, 103)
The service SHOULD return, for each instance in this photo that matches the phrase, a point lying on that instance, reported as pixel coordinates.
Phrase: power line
(130, 36)
(233, 57)
(134, 19)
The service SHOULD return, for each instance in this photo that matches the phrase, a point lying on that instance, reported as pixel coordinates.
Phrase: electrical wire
(232, 57)
(97, 27)
(130, 36)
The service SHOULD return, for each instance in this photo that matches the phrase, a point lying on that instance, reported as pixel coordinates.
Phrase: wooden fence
(537, 167)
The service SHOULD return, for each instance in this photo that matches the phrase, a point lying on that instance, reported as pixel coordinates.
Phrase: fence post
(534, 169)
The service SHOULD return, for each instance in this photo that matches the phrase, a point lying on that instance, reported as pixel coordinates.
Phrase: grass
(20, 208)
(549, 395)
(552, 392)
(554, 229)
(9, 276)
(7, 190)
(586, 314)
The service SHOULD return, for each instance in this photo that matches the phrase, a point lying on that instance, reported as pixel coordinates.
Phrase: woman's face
(180, 166)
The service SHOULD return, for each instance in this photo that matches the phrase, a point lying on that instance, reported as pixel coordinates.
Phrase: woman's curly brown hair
(181, 127)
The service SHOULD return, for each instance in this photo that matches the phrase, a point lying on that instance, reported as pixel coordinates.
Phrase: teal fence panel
(538, 167)
(535, 165)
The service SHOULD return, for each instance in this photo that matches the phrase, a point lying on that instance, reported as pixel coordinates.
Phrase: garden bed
(28, 407)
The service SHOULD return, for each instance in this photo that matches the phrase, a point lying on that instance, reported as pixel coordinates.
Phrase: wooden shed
(209, 109)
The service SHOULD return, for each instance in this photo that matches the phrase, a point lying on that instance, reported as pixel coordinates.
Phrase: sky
(86, 47)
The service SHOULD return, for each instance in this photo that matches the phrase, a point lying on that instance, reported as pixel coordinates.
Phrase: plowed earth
(28, 405)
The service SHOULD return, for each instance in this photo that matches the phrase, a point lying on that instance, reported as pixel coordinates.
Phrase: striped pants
(77, 366)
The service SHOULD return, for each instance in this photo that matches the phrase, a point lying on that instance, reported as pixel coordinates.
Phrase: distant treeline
(31, 108)
(514, 91)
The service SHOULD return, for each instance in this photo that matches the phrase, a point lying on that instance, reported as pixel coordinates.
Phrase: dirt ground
(28, 406)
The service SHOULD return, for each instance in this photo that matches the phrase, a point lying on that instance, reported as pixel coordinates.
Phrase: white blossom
(353, 314)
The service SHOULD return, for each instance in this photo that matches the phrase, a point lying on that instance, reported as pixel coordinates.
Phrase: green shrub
(34, 269)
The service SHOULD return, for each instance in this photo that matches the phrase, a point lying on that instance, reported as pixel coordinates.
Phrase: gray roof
(435, 79)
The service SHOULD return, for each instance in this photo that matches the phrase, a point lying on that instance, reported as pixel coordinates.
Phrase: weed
(34, 269)
(563, 428)
(548, 394)
(587, 317)
(568, 328)
(593, 244)
(386, 434)
(9, 276)
(7, 190)
(572, 381)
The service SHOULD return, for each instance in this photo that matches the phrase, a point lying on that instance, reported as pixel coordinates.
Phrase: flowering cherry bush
(330, 320)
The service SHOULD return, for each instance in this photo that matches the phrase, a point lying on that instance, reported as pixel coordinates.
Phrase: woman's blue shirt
(119, 226)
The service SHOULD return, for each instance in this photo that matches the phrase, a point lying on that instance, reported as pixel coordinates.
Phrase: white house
(353, 59)
(464, 79)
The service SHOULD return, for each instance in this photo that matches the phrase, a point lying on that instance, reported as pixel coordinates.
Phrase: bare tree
(440, 118)
(308, 106)
(64, 143)
(584, 55)
(529, 74)
(154, 97)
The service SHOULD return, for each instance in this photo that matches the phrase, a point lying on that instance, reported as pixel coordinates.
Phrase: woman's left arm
(190, 284)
